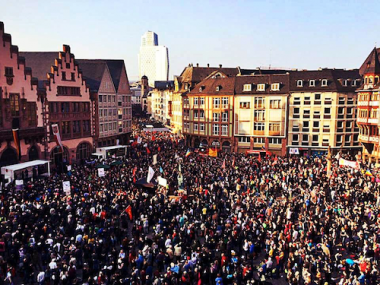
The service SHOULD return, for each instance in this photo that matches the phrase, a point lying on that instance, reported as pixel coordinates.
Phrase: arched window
(83, 151)
(57, 156)
(8, 157)
(33, 153)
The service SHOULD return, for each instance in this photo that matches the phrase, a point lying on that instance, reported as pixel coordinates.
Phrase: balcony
(258, 133)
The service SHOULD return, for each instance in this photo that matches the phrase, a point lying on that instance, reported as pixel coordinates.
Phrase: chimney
(189, 65)
(208, 65)
(1, 26)
(220, 66)
(197, 64)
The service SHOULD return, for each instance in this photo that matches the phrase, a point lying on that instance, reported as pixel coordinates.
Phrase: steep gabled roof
(92, 71)
(40, 62)
(197, 74)
(209, 86)
(372, 63)
(115, 67)
(282, 79)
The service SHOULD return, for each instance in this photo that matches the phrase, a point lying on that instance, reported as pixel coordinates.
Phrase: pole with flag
(57, 136)
(128, 210)
(150, 174)
(16, 140)
(224, 164)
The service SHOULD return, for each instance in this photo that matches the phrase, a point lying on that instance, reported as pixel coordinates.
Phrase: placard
(162, 181)
(101, 172)
(69, 168)
(66, 187)
(294, 150)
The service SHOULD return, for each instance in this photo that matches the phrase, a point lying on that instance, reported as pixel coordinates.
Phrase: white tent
(9, 171)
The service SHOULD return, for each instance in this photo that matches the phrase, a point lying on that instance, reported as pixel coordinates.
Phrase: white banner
(101, 172)
(294, 150)
(69, 168)
(66, 187)
(19, 182)
(150, 174)
(155, 159)
(57, 135)
(139, 140)
(162, 181)
(349, 163)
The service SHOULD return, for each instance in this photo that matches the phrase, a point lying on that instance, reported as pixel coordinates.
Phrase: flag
(17, 142)
(134, 179)
(263, 147)
(368, 173)
(153, 138)
(134, 171)
(147, 151)
(212, 152)
(337, 156)
(259, 158)
(233, 162)
(344, 162)
(155, 159)
(224, 164)
(161, 170)
(150, 174)
(57, 136)
(159, 149)
(188, 152)
(128, 210)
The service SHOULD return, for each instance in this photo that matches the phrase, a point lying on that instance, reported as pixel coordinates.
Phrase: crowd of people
(231, 219)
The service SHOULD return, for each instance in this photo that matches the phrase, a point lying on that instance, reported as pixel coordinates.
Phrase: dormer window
(299, 83)
(247, 87)
(275, 86)
(354, 82)
(200, 89)
(345, 82)
(218, 88)
(324, 82)
(312, 83)
(370, 80)
(260, 87)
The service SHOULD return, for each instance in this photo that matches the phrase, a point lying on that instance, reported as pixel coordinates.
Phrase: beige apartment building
(322, 111)
(260, 112)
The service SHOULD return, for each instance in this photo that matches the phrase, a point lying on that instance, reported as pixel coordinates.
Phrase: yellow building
(260, 110)
(322, 109)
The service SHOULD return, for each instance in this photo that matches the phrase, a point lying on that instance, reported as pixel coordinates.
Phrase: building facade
(21, 107)
(153, 59)
(368, 107)
(69, 104)
(108, 81)
(322, 108)
(260, 113)
(161, 97)
(208, 112)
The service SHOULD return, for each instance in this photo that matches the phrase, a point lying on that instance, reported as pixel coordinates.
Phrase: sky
(249, 34)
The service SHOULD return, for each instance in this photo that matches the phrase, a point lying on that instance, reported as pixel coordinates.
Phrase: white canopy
(112, 147)
(9, 170)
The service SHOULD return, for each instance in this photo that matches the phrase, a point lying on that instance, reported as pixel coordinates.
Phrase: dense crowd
(249, 221)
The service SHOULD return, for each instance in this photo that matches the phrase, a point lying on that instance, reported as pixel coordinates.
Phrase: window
(312, 83)
(275, 86)
(327, 111)
(76, 127)
(275, 104)
(274, 140)
(100, 98)
(202, 127)
(195, 127)
(67, 65)
(14, 99)
(86, 126)
(342, 101)
(65, 128)
(245, 105)
(341, 111)
(202, 114)
(76, 107)
(195, 101)
(296, 113)
(244, 139)
(345, 82)
(299, 83)
(297, 101)
(201, 101)
(259, 127)
(218, 88)
(306, 101)
(350, 111)
(101, 127)
(348, 125)
(109, 98)
(224, 130)
(225, 102)
(259, 140)
(72, 76)
(306, 114)
(225, 116)
(113, 98)
(259, 115)
(63, 75)
(216, 102)
(69, 91)
(317, 97)
(195, 114)
(305, 126)
(305, 138)
(317, 114)
(215, 129)
(260, 87)
(324, 82)
(339, 138)
(65, 107)
(315, 138)
(354, 82)
(31, 114)
(295, 139)
(200, 89)
(259, 102)
(316, 124)
(247, 87)
(274, 127)
(9, 71)
(216, 117)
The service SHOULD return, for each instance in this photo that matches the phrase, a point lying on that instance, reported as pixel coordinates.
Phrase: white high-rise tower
(153, 59)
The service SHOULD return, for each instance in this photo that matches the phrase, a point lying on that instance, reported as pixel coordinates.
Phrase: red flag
(134, 179)
(233, 162)
(159, 148)
(129, 211)
(134, 171)
(147, 150)
(224, 164)
(153, 138)
(259, 158)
